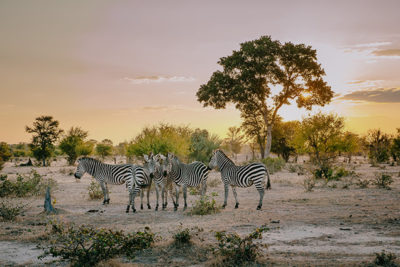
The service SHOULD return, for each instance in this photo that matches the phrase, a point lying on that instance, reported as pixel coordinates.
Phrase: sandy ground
(337, 224)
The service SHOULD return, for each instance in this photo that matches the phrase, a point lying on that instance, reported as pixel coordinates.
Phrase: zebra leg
(148, 197)
(185, 196)
(226, 187)
(176, 204)
(203, 187)
(103, 188)
(261, 191)
(108, 196)
(130, 201)
(157, 195)
(141, 199)
(235, 195)
(135, 191)
(163, 197)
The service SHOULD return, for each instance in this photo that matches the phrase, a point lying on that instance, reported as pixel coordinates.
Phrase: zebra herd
(169, 170)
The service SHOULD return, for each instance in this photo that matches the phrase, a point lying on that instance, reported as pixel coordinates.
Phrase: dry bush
(94, 190)
(383, 180)
(204, 206)
(309, 183)
(9, 211)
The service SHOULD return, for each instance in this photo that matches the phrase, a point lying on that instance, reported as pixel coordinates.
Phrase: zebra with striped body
(105, 174)
(242, 176)
(185, 175)
(142, 179)
(162, 179)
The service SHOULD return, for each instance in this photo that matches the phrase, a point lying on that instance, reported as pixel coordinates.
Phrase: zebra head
(213, 160)
(149, 165)
(174, 161)
(165, 164)
(80, 170)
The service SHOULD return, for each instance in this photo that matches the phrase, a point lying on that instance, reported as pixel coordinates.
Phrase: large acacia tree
(249, 75)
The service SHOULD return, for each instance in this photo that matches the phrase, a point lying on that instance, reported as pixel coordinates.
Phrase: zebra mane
(225, 156)
(90, 159)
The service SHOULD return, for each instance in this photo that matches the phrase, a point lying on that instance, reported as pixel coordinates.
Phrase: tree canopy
(73, 143)
(45, 133)
(250, 74)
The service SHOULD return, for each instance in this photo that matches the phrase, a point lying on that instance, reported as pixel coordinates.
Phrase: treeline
(321, 136)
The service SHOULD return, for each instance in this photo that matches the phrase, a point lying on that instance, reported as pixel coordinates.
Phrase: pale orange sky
(113, 67)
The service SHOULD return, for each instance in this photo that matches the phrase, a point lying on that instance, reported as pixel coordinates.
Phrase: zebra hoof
(237, 205)
(148, 206)
(258, 207)
(127, 209)
(223, 206)
(156, 209)
(184, 208)
(108, 201)
(141, 207)
(133, 210)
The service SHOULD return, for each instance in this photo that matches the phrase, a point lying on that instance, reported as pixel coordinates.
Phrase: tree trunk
(269, 140)
(44, 162)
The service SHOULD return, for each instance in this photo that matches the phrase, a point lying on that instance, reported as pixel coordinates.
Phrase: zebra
(162, 179)
(187, 175)
(105, 174)
(242, 176)
(142, 178)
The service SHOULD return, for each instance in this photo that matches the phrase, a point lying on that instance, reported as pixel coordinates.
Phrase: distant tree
(378, 144)
(202, 144)
(86, 148)
(20, 150)
(5, 153)
(45, 133)
(72, 143)
(349, 144)
(234, 141)
(248, 75)
(395, 148)
(105, 148)
(319, 135)
(162, 138)
(255, 130)
(283, 137)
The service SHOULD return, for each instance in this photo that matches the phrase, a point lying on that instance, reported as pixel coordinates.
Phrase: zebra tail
(268, 181)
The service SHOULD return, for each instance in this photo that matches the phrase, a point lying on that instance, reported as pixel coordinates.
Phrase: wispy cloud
(158, 79)
(381, 95)
(373, 44)
(392, 53)
(375, 51)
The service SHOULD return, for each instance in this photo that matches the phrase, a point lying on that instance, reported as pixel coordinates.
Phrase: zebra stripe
(105, 174)
(242, 176)
(162, 179)
(185, 175)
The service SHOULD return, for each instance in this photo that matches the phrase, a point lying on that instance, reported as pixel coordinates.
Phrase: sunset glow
(114, 67)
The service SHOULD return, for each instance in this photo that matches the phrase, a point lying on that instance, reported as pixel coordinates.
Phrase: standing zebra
(105, 174)
(163, 168)
(142, 178)
(242, 176)
(187, 175)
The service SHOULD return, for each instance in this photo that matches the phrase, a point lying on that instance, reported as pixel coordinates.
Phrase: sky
(114, 67)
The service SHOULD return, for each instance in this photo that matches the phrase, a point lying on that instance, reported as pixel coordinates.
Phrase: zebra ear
(162, 156)
(146, 157)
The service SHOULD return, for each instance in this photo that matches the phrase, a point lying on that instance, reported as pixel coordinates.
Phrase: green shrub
(194, 191)
(8, 211)
(383, 180)
(87, 246)
(235, 250)
(384, 259)
(331, 173)
(273, 164)
(32, 184)
(95, 191)
(363, 183)
(182, 238)
(205, 206)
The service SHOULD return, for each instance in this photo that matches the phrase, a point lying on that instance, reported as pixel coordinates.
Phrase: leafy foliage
(378, 145)
(205, 206)
(104, 149)
(87, 246)
(385, 259)
(274, 164)
(20, 150)
(32, 184)
(249, 74)
(283, 135)
(9, 211)
(395, 148)
(383, 180)
(233, 142)
(95, 191)
(238, 251)
(5, 153)
(202, 144)
(182, 237)
(73, 144)
(162, 139)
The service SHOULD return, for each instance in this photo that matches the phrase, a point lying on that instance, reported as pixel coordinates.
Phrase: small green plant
(383, 180)
(87, 246)
(236, 251)
(274, 164)
(32, 184)
(95, 191)
(214, 194)
(363, 183)
(205, 206)
(309, 183)
(194, 191)
(182, 238)
(9, 211)
(385, 259)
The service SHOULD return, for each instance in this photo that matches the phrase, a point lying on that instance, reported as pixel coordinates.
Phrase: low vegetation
(87, 246)
(9, 211)
(94, 190)
(205, 206)
(32, 184)
(237, 251)
(274, 164)
(383, 180)
(384, 259)
(182, 237)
